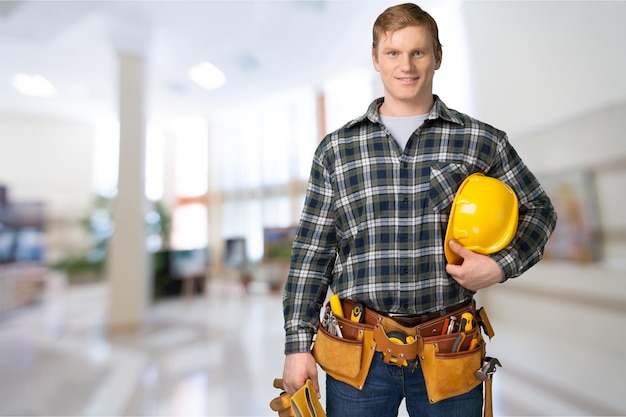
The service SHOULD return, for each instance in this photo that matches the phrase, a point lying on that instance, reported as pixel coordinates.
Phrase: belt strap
(417, 319)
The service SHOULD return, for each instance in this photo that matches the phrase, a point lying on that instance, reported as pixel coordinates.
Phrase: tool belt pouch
(446, 373)
(346, 358)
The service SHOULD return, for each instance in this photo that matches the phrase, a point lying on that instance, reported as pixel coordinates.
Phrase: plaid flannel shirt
(375, 217)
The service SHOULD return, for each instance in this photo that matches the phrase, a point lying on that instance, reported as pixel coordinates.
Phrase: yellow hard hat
(483, 217)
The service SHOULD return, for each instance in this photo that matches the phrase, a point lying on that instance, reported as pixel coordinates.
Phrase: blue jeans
(384, 389)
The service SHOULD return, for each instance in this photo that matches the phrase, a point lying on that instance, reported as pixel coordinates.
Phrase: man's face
(406, 62)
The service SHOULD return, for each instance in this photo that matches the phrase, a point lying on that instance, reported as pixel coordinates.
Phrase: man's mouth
(406, 79)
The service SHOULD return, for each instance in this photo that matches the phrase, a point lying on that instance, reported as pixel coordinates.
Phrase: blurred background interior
(153, 163)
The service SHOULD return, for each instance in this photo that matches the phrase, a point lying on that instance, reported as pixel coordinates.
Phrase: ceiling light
(207, 75)
(33, 85)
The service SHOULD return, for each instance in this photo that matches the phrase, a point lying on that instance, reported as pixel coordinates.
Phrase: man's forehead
(421, 35)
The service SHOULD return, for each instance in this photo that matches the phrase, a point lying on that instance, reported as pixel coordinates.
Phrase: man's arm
(537, 217)
(312, 260)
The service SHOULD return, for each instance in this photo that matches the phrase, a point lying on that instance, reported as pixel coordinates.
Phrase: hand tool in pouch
(399, 338)
(473, 344)
(466, 322)
(357, 314)
(456, 346)
(335, 305)
(451, 325)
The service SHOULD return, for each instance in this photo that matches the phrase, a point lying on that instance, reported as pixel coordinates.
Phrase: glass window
(189, 227)
(256, 152)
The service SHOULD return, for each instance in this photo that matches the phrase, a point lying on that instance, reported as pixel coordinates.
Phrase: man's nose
(406, 63)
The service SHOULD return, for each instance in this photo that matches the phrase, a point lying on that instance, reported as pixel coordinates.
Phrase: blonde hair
(404, 15)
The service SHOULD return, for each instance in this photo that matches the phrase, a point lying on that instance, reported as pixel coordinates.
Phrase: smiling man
(407, 60)
(373, 225)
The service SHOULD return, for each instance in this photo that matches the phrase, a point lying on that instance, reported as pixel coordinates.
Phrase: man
(373, 225)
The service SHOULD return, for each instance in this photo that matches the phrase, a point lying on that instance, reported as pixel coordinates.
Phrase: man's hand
(298, 368)
(476, 272)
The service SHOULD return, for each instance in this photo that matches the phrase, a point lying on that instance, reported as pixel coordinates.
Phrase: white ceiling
(518, 65)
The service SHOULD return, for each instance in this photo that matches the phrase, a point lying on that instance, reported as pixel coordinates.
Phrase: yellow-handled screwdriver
(466, 322)
(335, 305)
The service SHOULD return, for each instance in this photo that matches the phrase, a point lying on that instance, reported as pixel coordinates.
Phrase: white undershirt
(401, 128)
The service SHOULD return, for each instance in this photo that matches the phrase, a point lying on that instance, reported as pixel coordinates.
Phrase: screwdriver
(335, 305)
(451, 325)
(466, 322)
(444, 328)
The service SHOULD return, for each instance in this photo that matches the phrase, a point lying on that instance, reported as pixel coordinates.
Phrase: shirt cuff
(298, 341)
(507, 262)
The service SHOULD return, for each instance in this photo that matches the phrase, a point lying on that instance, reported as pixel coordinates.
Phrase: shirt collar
(439, 110)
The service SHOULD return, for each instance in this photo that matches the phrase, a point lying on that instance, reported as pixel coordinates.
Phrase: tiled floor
(213, 355)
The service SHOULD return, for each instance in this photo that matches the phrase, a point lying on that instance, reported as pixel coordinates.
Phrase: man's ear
(375, 60)
(438, 58)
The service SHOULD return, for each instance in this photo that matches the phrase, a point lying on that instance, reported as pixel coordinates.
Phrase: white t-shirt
(401, 128)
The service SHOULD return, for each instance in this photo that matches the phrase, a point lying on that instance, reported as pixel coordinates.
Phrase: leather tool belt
(449, 358)
(403, 351)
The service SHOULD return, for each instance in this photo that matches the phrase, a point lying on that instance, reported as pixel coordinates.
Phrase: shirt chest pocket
(445, 180)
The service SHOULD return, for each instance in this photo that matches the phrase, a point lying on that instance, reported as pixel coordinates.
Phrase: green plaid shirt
(375, 217)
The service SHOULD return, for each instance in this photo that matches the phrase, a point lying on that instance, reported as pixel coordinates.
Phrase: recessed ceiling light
(33, 85)
(207, 75)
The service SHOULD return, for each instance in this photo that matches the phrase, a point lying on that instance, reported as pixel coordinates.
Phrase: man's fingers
(458, 249)
(316, 385)
(291, 388)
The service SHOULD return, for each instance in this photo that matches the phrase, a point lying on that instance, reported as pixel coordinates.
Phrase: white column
(129, 268)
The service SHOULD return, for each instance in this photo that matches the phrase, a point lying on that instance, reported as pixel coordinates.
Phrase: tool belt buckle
(397, 347)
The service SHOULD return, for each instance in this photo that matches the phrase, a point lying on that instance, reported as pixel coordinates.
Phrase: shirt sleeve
(537, 217)
(312, 259)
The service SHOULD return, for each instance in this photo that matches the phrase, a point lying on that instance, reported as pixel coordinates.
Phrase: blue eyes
(394, 53)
